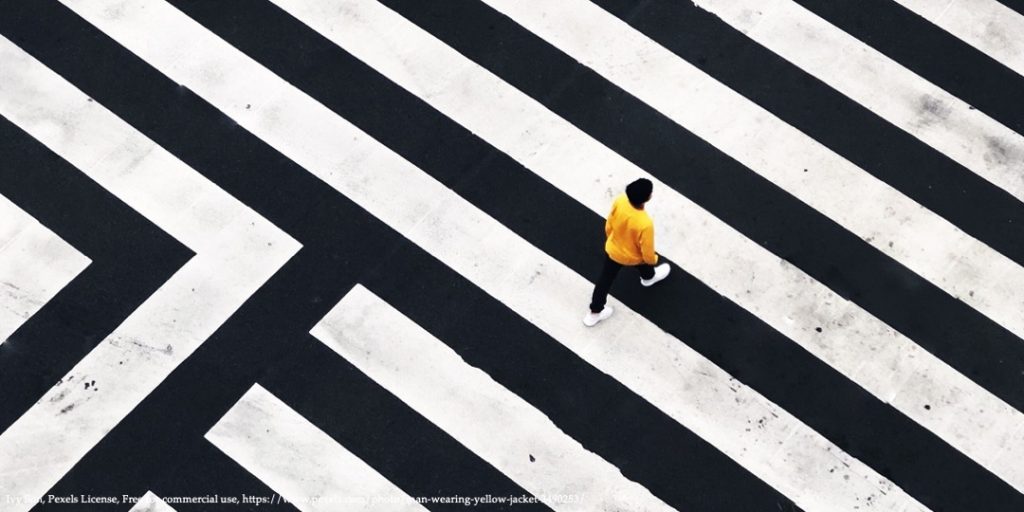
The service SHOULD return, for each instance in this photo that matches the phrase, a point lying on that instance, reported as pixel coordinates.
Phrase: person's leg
(649, 275)
(646, 271)
(604, 283)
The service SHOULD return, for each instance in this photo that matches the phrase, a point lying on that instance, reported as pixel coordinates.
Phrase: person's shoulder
(621, 204)
(644, 220)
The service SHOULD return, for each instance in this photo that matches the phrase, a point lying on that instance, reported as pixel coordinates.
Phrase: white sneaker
(660, 272)
(593, 318)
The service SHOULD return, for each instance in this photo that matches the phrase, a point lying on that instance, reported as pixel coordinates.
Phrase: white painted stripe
(479, 413)
(35, 264)
(987, 25)
(935, 249)
(863, 348)
(937, 118)
(299, 461)
(782, 451)
(237, 251)
(151, 503)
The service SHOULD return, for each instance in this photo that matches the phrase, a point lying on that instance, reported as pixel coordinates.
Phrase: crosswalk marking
(880, 215)
(984, 24)
(237, 251)
(495, 424)
(299, 461)
(654, 364)
(150, 502)
(863, 348)
(35, 264)
(910, 102)
(866, 350)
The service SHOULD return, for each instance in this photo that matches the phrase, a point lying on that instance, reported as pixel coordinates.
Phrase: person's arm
(647, 245)
(608, 221)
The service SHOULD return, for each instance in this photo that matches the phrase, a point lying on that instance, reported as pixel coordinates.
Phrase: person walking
(629, 233)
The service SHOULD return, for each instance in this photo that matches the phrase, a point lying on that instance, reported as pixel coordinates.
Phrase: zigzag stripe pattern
(235, 254)
(316, 255)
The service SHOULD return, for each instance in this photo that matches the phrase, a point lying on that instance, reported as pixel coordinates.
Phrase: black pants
(604, 282)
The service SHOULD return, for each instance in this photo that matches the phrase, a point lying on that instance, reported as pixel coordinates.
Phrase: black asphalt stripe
(923, 174)
(130, 257)
(450, 154)
(731, 337)
(168, 427)
(210, 473)
(933, 53)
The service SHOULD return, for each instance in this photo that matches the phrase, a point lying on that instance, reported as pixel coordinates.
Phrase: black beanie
(639, 191)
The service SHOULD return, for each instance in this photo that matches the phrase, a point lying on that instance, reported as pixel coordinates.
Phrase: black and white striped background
(339, 250)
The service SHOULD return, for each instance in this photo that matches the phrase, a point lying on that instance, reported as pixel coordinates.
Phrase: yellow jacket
(630, 234)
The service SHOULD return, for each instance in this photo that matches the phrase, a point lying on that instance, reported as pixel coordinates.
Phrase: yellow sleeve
(608, 221)
(647, 245)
